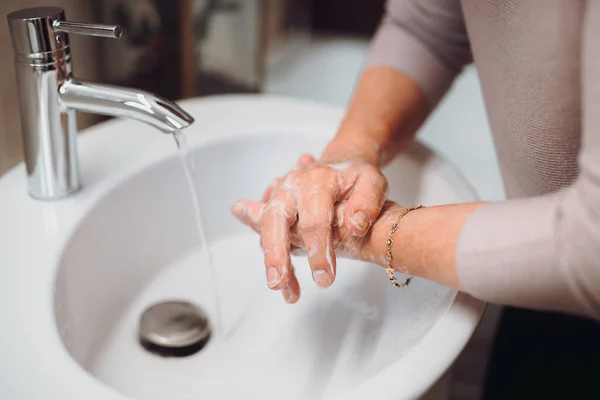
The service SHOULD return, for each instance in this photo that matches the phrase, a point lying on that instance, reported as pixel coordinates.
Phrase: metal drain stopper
(174, 329)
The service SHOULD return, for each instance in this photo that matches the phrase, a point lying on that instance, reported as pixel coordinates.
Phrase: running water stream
(189, 168)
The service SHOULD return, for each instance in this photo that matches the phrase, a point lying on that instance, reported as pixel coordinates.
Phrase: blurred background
(313, 49)
(186, 48)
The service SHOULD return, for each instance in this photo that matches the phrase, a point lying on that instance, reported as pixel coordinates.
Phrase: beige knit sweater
(539, 66)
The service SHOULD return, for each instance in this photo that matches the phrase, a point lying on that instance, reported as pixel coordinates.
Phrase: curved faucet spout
(49, 96)
(115, 101)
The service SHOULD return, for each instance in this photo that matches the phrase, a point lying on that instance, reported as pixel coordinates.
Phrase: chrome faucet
(49, 96)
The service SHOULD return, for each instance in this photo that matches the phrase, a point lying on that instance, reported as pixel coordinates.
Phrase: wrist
(386, 111)
(356, 146)
(380, 233)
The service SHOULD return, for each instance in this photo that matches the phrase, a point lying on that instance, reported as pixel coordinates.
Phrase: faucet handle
(38, 31)
(106, 31)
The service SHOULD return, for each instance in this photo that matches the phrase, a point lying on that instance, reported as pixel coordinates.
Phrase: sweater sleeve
(424, 39)
(544, 252)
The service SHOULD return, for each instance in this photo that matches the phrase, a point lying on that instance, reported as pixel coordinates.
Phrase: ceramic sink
(75, 274)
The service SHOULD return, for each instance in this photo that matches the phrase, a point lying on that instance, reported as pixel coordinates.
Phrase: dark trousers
(539, 355)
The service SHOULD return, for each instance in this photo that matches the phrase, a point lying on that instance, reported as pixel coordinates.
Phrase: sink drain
(174, 329)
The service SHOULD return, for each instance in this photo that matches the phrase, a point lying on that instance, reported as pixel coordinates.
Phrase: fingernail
(273, 277)
(360, 221)
(322, 278)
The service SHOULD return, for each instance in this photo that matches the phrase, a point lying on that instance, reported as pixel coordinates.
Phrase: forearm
(385, 113)
(540, 252)
(425, 242)
(418, 50)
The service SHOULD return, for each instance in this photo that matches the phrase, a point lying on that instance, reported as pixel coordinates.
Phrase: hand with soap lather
(319, 208)
(380, 123)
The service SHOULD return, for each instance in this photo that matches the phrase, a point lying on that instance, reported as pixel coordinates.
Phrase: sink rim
(106, 161)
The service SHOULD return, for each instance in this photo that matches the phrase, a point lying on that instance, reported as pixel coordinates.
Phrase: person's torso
(527, 53)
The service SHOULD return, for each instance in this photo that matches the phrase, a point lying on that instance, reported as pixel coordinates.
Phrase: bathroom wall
(187, 48)
(85, 57)
(230, 47)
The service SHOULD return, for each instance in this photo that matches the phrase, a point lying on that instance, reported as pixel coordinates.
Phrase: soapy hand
(300, 210)
(345, 244)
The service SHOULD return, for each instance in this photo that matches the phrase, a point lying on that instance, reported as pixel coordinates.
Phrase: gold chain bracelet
(388, 255)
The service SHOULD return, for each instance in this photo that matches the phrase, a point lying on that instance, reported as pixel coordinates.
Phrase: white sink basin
(76, 274)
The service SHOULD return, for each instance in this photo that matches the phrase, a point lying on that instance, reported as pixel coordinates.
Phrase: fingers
(273, 187)
(291, 292)
(338, 219)
(277, 217)
(249, 213)
(304, 161)
(274, 220)
(315, 216)
(365, 202)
